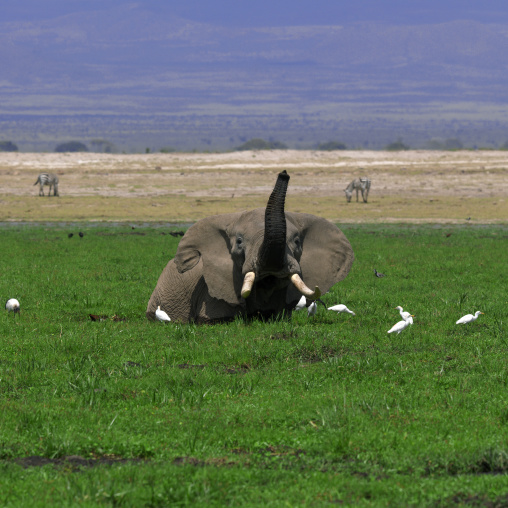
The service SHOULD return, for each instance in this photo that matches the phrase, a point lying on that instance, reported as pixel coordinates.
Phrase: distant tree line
(8, 146)
(102, 146)
(396, 146)
(332, 145)
(447, 144)
(71, 146)
(261, 144)
(99, 145)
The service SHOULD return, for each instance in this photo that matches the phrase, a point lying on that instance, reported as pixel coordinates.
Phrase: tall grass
(307, 411)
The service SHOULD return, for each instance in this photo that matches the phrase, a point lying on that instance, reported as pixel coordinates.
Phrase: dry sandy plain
(412, 186)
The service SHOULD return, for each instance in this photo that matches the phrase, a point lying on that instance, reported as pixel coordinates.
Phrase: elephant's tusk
(248, 282)
(300, 285)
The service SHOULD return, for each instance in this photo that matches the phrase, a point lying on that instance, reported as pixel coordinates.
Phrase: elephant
(251, 264)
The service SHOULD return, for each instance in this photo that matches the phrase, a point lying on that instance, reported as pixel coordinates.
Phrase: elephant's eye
(297, 242)
(239, 241)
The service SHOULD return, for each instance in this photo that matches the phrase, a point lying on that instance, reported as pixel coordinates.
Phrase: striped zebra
(358, 184)
(366, 188)
(47, 179)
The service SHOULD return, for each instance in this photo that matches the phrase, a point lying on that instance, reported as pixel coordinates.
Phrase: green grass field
(331, 410)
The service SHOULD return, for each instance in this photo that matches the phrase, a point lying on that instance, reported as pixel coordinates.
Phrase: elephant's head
(263, 260)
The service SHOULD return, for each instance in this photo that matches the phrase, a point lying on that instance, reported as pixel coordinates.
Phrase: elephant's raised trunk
(273, 249)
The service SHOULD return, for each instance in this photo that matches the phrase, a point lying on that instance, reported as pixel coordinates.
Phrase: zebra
(358, 184)
(47, 179)
(366, 188)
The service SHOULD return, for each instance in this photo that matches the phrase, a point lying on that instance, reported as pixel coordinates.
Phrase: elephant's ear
(327, 255)
(208, 240)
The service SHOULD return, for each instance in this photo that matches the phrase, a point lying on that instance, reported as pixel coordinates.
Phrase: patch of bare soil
(474, 500)
(416, 185)
(192, 461)
(74, 462)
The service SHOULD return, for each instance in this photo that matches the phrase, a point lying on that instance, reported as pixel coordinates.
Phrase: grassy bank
(328, 410)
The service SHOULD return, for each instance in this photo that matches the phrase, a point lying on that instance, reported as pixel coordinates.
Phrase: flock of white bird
(12, 305)
(407, 317)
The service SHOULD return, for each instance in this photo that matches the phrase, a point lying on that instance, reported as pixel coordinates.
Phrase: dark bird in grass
(81, 234)
(95, 317)
(377, 274)
(172, 233)
(70, 235)
(448, 235)
(132, 364)
(468, 218)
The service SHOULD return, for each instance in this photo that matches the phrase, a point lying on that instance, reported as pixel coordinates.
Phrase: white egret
(401, 325)
(12, 305)
(161, 315)
(405, 315)
(311, 311)
(341, 308)
(468, 318)
(302, 303)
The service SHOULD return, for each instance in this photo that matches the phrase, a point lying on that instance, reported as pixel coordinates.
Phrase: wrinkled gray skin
(203, 282)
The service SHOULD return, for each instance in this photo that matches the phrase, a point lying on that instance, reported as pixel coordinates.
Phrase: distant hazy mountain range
(142, 80)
